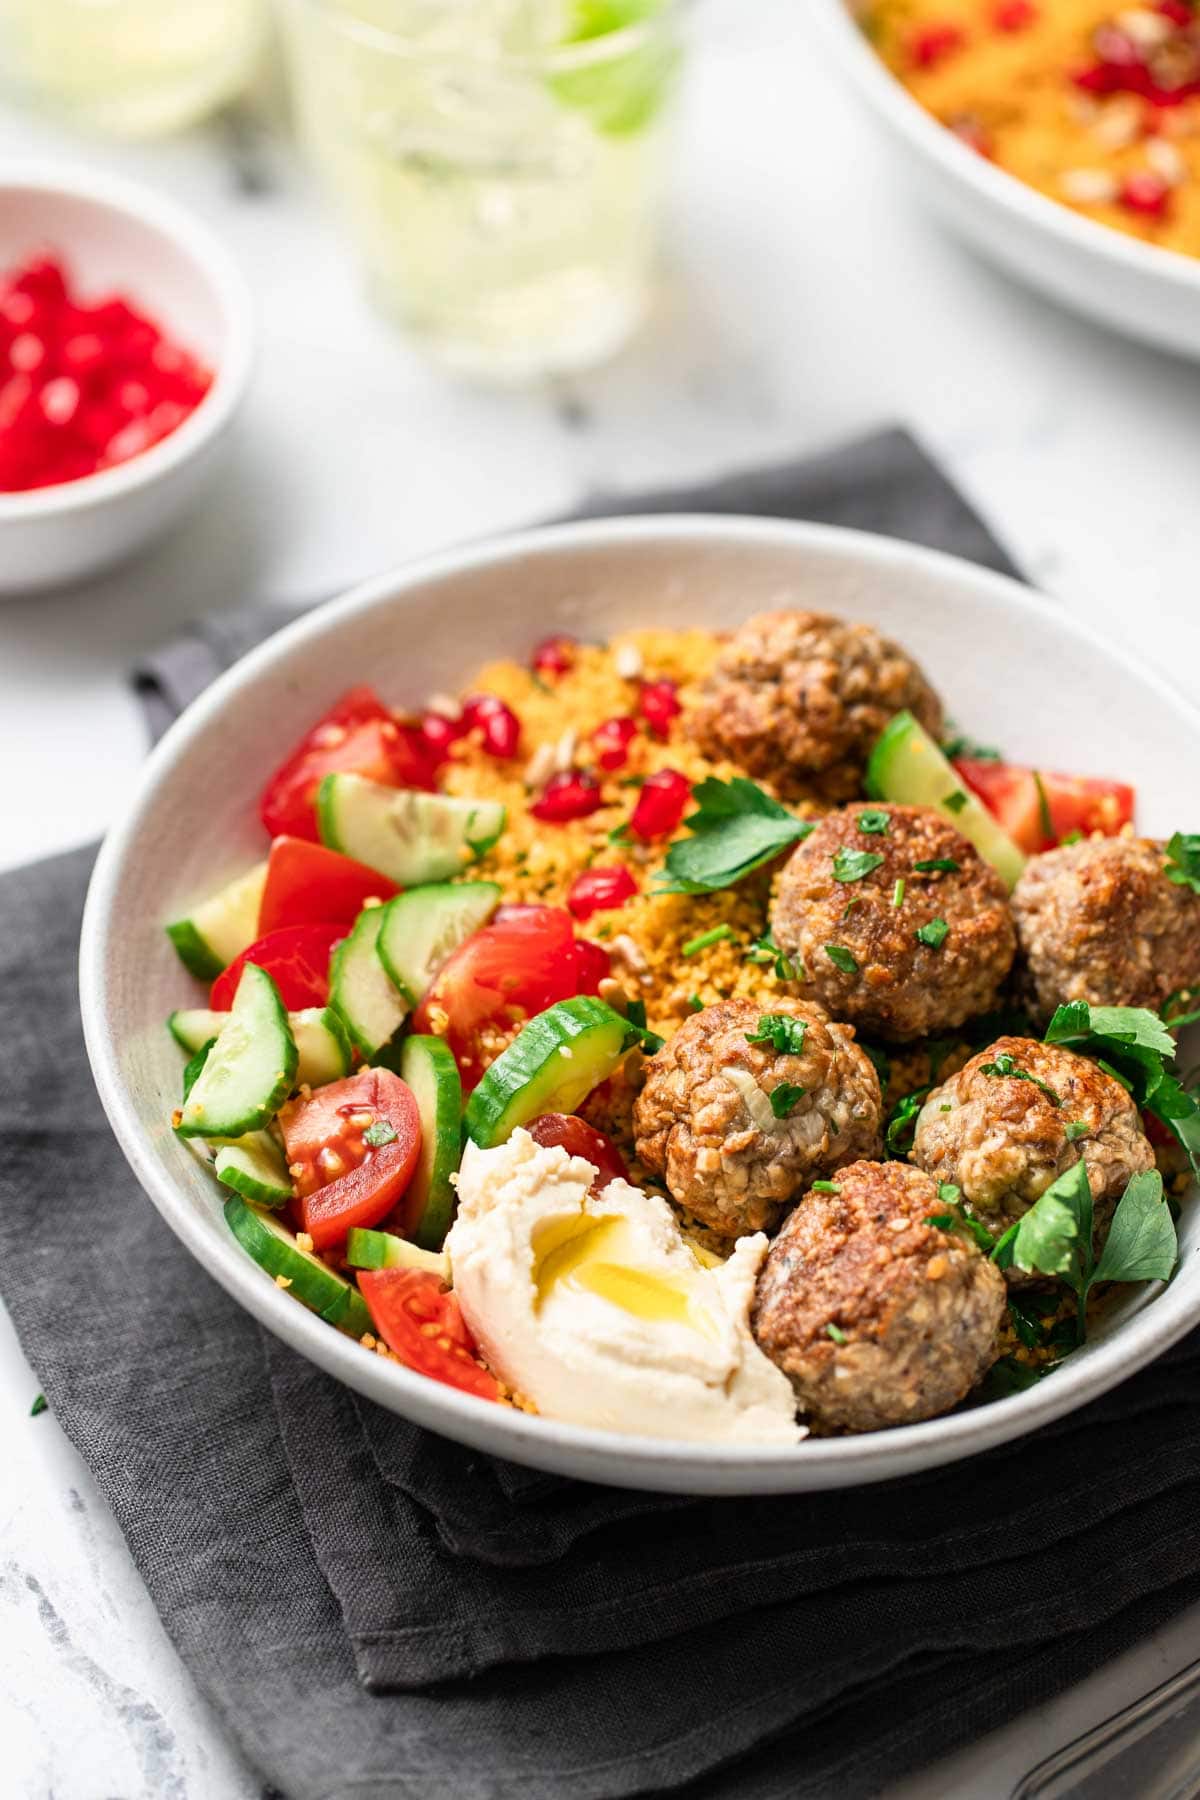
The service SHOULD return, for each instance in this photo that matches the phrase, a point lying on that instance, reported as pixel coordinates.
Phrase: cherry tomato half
(357, 736)
(421, 1322)
(296, 959)
(308, 885)
(351, 1147)
(578, 1138)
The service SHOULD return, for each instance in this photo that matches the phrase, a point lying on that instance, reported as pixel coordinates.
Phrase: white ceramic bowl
(1013, 670)
(115, 236)
(1135, 288)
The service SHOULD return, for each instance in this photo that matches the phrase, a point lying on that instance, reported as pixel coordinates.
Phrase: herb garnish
(620, 834)
(835, 1332)
(955, 802)
(1044, 818)
(639, 1032)
(841, 958)
(1071, 837)
(1183, 868)
(1075, 1129)
(695, 1002)
(880, 1061)
(852, 865)
(898, 892)
(902, 1123)
(193, 1066)
(934, 934)
(825, 1187)
(1004, 1065)
(765, 950)
(960, 745)
(737, 828)
(874, 822)
(941, 865)
(717, 935)
(782, 1032)
(380, 1132)
(958, 1220)
(784, 1098)
(40, 1405)
(1132, 1044)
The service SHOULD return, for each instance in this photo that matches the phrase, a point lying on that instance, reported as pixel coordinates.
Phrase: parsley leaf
(852, 865)
(955, 802)
(874, 822)
(1005, 1066)
(961, 1221)
(941, 865)
(381, 1132)
(1141, 1243)
(1183, 868)
(765, 950)
(784, 1033)
(784, 1098)
(902, 1123)
(649, 1040)
(934, 934)
(40, 1405)
(841, 958)
(825, 1187)
(961, 745)
(1075, 1129)
(738, 828)
(1132, 1044)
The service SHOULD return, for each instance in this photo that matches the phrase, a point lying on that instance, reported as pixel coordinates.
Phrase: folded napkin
(378, 1613)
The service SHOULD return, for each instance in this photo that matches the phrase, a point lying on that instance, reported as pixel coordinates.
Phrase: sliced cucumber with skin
(360, 989)
(250, 1070)
(208, 938)
(309, 1280)
(429, 1068)
(555, 1062)
(406, 834)
(426, 925)
(907, 767)
(381, 1250)
(254, 1167)
(322, 1041)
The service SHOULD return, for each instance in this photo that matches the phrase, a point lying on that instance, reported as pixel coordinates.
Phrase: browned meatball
(876, 1317)
(869, 935)
(1003, 1139)
(1099, 921)
(799, 698)
(738, 1128)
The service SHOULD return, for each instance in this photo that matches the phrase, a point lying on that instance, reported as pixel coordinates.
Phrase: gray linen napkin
(333, 1576)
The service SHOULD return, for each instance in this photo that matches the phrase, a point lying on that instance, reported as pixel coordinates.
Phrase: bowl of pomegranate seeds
(125, 346)
(1059, 138)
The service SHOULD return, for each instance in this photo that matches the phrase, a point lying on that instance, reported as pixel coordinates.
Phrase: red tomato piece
(357, 736)
(578, 1138)
(598, 890)
(1038, 808)
(421, 1322)
(346, 1168)
(310, 885)
(296, 959)
(592, 966)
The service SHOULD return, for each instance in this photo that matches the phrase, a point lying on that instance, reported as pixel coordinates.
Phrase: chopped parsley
(874, 822)
(1005, 1066)
(949, 1193)
(695, 1002)
(620, 834)
(1071, 837)
(1132, 1044)
(852, 902)
(852, 865)
(1183, 865)
(842, 959)
(898, 892)
(717, 935)
(835, 1332)
(737, 828)
(902, 1123)
(934, 934)
(766, 950)
(1075, 1129)
(782, 1032)
(955, 802)
(961, 745)
(937, 865)
(825, 1187)
(40, 1405)
(649, 1040)
(785, 1098)
(960, 1220)
(380, 1132)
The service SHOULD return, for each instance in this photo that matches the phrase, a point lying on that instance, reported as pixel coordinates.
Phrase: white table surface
(806, 299)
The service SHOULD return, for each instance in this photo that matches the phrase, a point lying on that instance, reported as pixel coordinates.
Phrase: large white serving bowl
(1013, 670)
(1136, 288)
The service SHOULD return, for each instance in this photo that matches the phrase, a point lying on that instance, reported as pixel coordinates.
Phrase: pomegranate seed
(929, 45)
(661, 805)
(1145, 193)
(593, 965)
(133, 397)
(82, 353)
(27, 353)
(611, 741)
(553, 656)
(571, 794)
(42, 279)
(1114, 47)
(18, 309)
(439, 733)
(973, 133)
(1178, 11)
(497, 722)
(599, 890)
(60, 400)
(659, 705)
(1014, 15)
(131, 440)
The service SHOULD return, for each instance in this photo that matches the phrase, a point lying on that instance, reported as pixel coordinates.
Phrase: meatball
(897, 947)
(744, 1107)
(1099, 921)
(799, 698)
(875, 1316)
(1003, 1137)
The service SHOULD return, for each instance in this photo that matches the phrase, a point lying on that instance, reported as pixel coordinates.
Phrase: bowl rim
(214, 269)
(1167, 1314)
(1007, 192)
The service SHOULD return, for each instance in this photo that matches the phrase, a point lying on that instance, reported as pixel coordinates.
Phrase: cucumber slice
(312, 1282)
(430, 1070)
(321, 1039)
(219, 929)
(908, 767)
(559, 1057)
(423, 927)
(360, 990)
(251, 1068)
(408, 835)
(380, 1250)
(255, 1168)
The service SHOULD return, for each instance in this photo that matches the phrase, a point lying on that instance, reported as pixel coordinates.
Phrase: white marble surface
(806, 299)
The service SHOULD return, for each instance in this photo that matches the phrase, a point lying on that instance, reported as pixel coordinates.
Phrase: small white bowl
(1136, 288)
(117, 237)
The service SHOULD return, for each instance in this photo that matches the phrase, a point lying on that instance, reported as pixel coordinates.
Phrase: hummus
(596, 1309)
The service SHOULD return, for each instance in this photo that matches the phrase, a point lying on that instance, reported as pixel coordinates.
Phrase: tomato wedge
(1040, 807)
(310, 885)
(296, 959)
(578, 1138)
(520, 964)
(421, 1322)
(351, 1148)
(357, 736)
